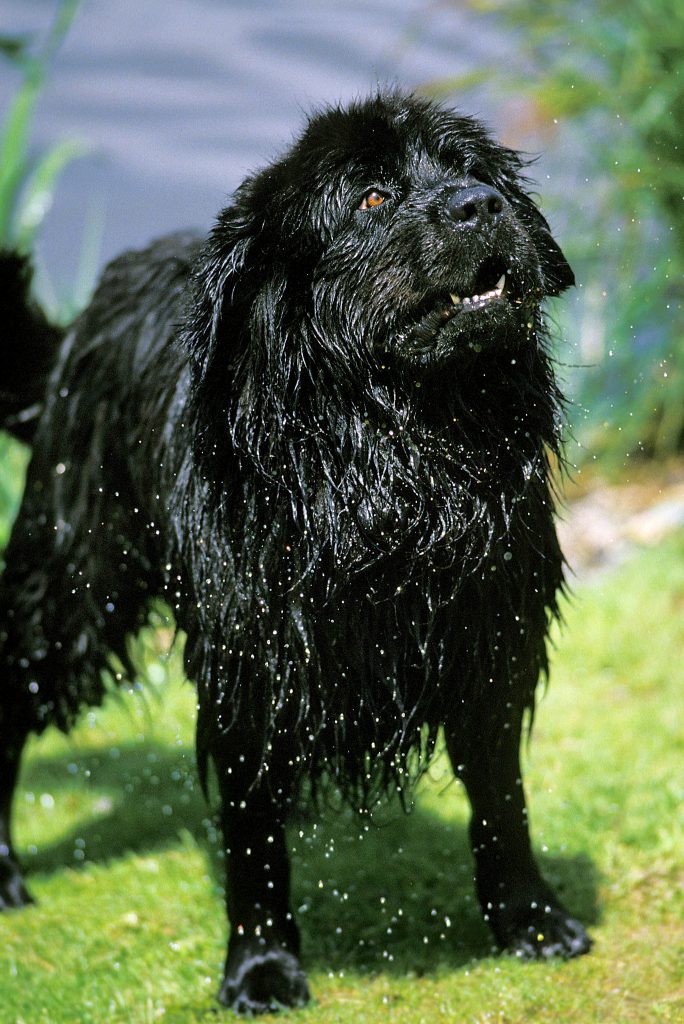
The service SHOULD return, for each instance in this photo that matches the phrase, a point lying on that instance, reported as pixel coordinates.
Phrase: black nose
(478, 205)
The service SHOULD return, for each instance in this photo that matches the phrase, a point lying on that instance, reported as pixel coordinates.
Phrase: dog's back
(85, 556)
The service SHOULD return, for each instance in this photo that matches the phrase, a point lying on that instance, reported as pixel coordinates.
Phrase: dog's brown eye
(372, 198)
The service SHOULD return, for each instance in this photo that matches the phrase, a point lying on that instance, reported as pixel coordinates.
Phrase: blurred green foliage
(609, 74)
(27, 182)
(28, 179)
(13, 460)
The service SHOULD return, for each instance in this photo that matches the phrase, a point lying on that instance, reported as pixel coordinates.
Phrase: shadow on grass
(137, 798)
(400, 898)
(396, 897)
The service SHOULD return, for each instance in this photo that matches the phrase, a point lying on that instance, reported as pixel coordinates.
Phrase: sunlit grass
(123, 859)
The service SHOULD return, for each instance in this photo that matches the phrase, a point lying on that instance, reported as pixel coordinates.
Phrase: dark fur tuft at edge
(28, 349)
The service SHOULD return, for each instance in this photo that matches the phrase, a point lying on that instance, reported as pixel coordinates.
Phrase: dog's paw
(13, 892)
(263, 982)
(539, 931)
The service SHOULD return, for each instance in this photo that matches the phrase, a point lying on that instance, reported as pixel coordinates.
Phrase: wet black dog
(323, 434)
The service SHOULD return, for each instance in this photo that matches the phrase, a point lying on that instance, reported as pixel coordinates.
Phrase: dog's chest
(430, 626)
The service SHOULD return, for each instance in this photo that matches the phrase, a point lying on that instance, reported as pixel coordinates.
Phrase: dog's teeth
(454, 298)
(500, 284)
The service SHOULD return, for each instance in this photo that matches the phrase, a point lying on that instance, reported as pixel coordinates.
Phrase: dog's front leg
(521, 909)
(13, 892)
(262, 967)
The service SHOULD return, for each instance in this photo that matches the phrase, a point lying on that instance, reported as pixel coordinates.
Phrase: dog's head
(393, 228)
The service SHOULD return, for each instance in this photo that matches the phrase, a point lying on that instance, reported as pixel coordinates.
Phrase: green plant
(27, 184)
(13, 459)
(609, 73)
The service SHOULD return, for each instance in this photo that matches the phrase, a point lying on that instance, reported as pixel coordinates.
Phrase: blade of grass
(14, 138)
(39, 190)
(61, 25)
(14, 145)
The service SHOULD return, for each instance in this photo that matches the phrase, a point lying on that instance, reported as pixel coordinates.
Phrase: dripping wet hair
(384, 467)
(323, 434)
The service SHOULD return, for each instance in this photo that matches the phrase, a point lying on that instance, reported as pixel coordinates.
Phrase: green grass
(13, 460)
(124, 863)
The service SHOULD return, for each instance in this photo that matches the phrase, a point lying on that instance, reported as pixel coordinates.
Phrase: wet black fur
(348, 508)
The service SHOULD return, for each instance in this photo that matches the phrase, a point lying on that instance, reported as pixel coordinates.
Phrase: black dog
(323, 434)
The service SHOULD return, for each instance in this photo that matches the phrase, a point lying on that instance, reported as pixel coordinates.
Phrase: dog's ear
(513, 182)
(558, 274)
(557, 271)
(222, 291)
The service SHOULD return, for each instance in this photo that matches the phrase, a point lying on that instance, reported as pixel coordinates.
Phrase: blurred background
(124, 119)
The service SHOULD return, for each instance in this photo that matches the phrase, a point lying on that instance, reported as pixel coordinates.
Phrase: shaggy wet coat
(322, 434)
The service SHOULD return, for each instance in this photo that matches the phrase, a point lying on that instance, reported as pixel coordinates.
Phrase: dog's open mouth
(491, 287)
(479, 299)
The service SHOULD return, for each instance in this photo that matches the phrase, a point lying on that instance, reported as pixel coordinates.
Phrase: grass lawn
(129, 925)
